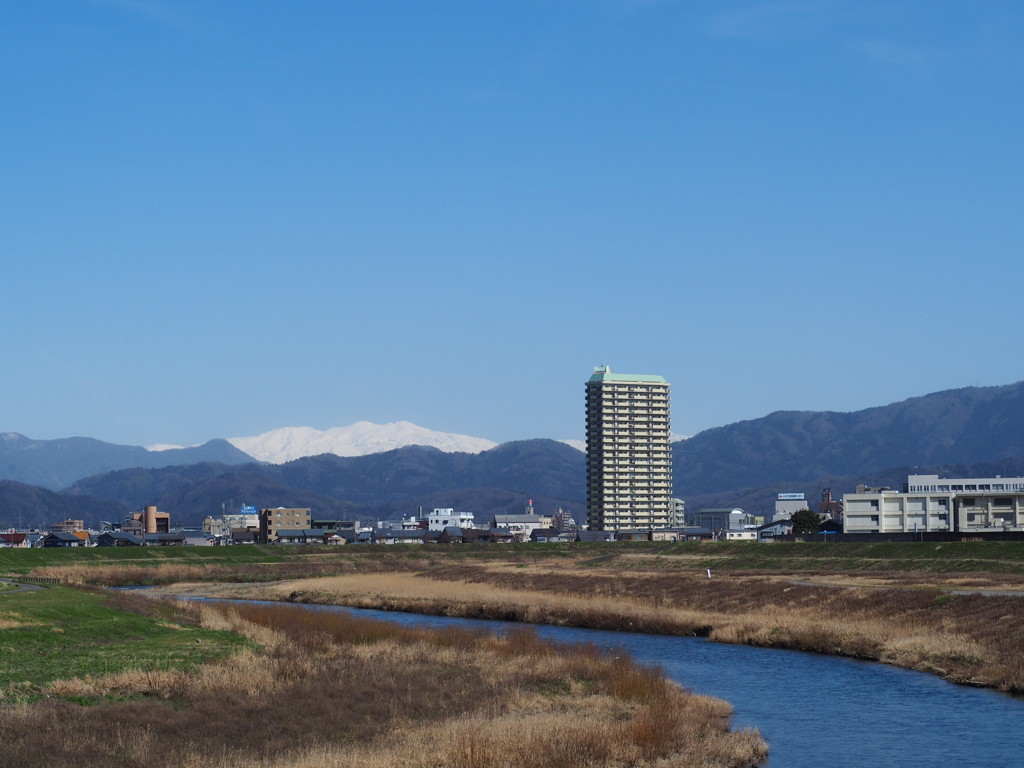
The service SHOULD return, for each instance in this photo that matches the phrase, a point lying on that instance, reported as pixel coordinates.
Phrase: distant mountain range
(357, 439)
(958, 426)
(58, 463)
(975, 430)
(29, 506)
(381, 485)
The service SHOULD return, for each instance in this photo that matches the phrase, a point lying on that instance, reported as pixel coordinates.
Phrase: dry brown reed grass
(328, 690)
(10, 620)
(169, 573)
(964, 638)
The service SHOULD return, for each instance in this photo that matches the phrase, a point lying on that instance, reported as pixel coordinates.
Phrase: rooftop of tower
(604, 373)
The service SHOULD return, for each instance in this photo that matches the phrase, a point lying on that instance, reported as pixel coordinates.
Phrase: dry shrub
(382, 695)
(974, 635)
(169, 573)
(10, 620)
(116, 575)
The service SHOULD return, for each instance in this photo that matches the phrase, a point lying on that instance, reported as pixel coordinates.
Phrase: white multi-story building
(447, 517)
(521, 526)
(931, 503)
(629, 458)
(677, 513)
(787, 504)
(223, 525)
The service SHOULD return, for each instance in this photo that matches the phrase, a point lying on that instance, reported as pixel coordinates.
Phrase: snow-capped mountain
(359, 439)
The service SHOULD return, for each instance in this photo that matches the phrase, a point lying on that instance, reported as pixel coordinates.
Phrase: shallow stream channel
(815, 711)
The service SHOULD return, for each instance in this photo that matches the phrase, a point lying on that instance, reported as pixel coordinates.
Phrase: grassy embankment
(779, 595)
(320, 690)
(60, 633)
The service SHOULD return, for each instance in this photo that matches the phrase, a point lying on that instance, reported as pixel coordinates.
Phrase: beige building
(931, 503)
(282, 518)
(68, 526)
(149, 521)
(629, 458)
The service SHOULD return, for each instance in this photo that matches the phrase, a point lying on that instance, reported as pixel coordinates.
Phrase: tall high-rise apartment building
(629, 457)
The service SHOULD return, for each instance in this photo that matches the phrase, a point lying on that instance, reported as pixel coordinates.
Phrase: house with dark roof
(164, 540)
(630, 534)
(393, 536)
(300, 536)
(769, 531)
(118, 539)
(450, 535)
(595, 536)
(63, 539)
(487, 536)
(243, 536)
(551, 535)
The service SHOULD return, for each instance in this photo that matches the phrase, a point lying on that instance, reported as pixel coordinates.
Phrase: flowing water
(819, 711)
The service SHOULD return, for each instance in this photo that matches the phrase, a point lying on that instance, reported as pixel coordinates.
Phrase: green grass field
(60, 632)
(848, 557)
(22, 561)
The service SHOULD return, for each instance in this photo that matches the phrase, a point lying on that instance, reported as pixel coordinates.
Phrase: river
(819, 711)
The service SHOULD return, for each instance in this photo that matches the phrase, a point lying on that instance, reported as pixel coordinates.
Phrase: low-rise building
(64, 539)
(769, 531)
(334, 524)
(930, 503)
(300, 536)
(447, 517)
(164, 539)
(676, 513)
(118, 539)
(718, 519)
(243, 536)
(747, 534)
(222, 526)
(273, 520)
(68, 526)
(595, 536)
(788, 504)
(521, 526)
(551, 535)
(403, 536)
(151, 520)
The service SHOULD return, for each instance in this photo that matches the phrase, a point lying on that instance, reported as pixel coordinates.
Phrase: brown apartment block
(282, 519)
(68, 526)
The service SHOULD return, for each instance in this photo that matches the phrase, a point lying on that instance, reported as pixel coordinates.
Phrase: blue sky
(221, 218)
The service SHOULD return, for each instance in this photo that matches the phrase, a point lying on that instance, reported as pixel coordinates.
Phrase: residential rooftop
(604, 373)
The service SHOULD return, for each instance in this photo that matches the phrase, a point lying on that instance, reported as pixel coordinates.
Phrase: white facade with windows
(788, 504)
(629, 458)
(894, 512)
(963, 485)
(931, 503)
(447, 517)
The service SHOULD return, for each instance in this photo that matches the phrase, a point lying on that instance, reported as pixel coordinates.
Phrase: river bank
(814, 710)
(312, 689)
(902, 604)
(967, 639)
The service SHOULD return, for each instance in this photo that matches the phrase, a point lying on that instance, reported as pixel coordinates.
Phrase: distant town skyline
(224, 219)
